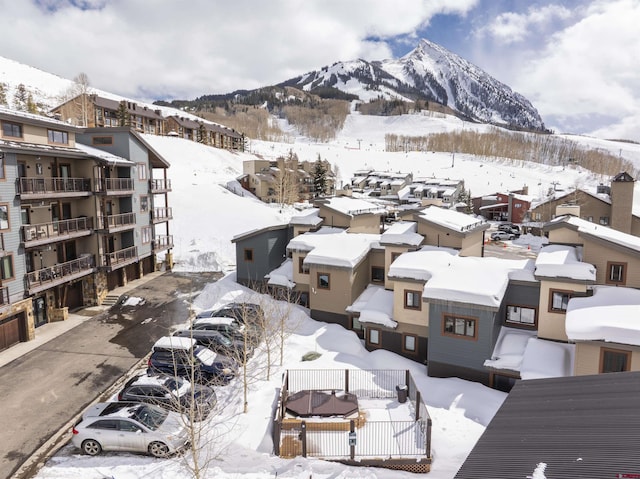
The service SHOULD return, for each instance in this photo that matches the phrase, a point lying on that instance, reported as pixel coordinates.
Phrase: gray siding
(520, 294)
(12, 238)
(269, 251)
(458, 351)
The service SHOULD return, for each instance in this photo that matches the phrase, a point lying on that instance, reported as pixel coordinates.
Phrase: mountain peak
(429, 72)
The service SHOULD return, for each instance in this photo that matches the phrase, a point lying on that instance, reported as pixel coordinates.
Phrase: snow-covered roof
(599, 231)
(612, 314)
(450, 277)
(308, 217)
(375, 305)
(103, 155)
(282, 275)
(334, 247)
(404, 192)
(561, 261)
(402, 233)
(520, 350)
(353, 206)
(450, 219)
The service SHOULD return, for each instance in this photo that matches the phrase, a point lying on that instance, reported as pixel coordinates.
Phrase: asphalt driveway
(44, 389)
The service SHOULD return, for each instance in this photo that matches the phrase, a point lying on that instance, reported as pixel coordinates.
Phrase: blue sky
(575, 60)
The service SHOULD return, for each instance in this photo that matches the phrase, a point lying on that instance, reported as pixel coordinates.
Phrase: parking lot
(46, 388)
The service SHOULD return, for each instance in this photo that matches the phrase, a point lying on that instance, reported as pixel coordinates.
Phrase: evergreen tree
(20, 98)
(3, 94)
(123, 115)
(319, 178)
(201, 134)
(32, 107)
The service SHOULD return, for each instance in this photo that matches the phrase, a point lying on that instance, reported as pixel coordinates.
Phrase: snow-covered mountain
(432, 73)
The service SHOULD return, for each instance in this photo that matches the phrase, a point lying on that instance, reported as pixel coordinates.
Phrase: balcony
(61, 273)
(41, 188)
(115, 223)
(120, 258)
(115, 186)
(160, 186)
(45, 233)
(160, 215)
(160, 243)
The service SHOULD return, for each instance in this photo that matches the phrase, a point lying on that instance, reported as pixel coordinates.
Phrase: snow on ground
(207, 216)
(241, 442)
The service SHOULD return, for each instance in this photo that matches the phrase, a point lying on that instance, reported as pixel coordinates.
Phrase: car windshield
(152, 417)
(206, 356)
(225, 341)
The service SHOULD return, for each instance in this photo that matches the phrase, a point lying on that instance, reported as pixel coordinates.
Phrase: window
(412, 299)
(302, 268)
(144, 203)
(142, 171)
(617, 273)
(520, 315)
(324, 281)
(614, 360)
(102, 140)
(377, 274)
(146, 234)
(13, 130)
(4, 217)
(373, 337)
(356, 324)
(6, 267)
(409, 343)
(248, 255)
(460, 327)
(57, 136)
(558, 301)
(604, 220)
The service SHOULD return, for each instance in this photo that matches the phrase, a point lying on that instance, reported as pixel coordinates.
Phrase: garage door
(9, 332)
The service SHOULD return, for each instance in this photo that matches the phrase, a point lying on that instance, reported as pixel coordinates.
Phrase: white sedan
(126, 426)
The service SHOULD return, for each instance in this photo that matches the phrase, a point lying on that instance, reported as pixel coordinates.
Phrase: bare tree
(76, 102)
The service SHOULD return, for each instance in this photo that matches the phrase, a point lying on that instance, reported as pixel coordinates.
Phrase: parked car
(218, 342)
(170, 392)
(126, 426)
(227, 326)
(502, 235)
(185, 358)
(510, 228)
(245, 313)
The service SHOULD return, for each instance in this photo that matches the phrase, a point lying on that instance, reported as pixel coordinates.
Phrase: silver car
(126, 426)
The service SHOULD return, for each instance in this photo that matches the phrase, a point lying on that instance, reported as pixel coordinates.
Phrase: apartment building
(94, 111)
(79, 219)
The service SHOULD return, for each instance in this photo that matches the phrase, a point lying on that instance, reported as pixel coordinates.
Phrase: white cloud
(182, 49)
(511, 27)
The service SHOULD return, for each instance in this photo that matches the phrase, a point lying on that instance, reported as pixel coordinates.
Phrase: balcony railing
(57, 187)
(115, 186)
(159, 186)
(118, 222)
(158, 215)
(120, 257)
(50, 276)
(43, 233)
(162, 242)
(4, 296)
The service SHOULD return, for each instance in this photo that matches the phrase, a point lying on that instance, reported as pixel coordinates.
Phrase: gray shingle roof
(580, 427)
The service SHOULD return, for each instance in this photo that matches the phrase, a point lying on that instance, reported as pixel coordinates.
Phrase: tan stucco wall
(335, 299)
(365, 224)
(565, 236)
(299, 278)
(551, 325)
(599, 254)
(472, 244)
(388, 253)
(409, 316)
(587, 358)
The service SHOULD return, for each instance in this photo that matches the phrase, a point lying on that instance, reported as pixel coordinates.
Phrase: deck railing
(106, 185)
(159, 185)
(118, 221)
(120, 256)
(60, 273)
(161, 214)
(52, 186)
(162, 242)
(54, 229)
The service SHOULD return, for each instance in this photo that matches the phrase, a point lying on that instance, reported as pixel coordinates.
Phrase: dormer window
(11, 130)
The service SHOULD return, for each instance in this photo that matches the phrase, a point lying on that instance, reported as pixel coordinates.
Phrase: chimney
(622, 202)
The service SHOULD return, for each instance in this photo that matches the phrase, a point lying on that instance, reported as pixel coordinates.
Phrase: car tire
(158, 449)
(91, 447)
